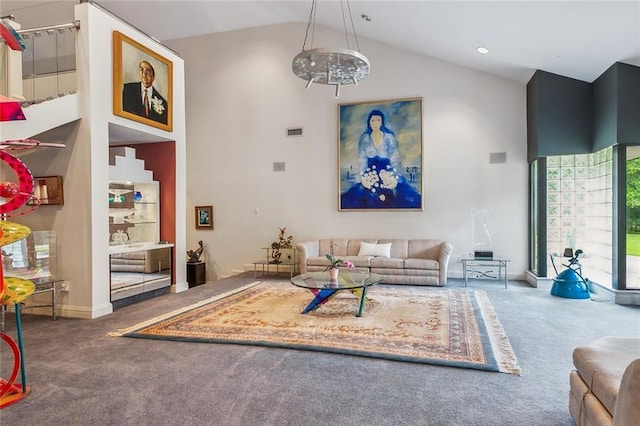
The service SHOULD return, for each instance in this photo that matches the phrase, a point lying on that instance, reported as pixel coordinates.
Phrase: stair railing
(47, 66)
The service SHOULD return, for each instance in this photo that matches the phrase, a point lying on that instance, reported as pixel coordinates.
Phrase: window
(579, 210)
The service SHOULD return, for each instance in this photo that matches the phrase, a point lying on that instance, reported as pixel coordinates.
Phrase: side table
(471, 265)
(196, 273)
(290, 262)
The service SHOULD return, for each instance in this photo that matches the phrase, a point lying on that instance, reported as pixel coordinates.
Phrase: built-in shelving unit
(140, 265)
(133, 213)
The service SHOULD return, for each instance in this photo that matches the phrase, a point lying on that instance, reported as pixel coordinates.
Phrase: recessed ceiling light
(366, 17)
(482, 50)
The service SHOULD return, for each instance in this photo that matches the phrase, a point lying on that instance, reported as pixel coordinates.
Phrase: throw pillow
(367, 249)
(379, 250)
(383, 250)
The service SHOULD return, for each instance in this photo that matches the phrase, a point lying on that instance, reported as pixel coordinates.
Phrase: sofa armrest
(443, 260)
(305, 250)
(627, 408)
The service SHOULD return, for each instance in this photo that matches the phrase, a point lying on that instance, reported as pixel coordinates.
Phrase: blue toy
(570, 283)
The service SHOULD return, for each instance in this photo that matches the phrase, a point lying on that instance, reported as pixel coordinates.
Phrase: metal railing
(48, 68)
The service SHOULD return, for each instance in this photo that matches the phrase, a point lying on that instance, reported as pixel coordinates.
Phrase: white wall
(241, 96)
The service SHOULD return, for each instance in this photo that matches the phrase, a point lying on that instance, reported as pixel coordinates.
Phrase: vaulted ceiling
(578, 39)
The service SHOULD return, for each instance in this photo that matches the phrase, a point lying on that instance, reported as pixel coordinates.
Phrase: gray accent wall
(567, 116)
(559, 116)
(628, 104)
(616, 106)
(605, 110)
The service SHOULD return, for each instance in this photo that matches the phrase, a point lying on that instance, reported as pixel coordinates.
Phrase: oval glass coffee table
(324, 289)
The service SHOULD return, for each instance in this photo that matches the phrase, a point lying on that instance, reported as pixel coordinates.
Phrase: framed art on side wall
(380, 155)
(142, 84)
(204, 217)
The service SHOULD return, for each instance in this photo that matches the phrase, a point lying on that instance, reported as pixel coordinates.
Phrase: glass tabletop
(346, 280)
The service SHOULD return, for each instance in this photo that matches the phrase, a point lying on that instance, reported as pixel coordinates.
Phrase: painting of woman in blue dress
(384, 169)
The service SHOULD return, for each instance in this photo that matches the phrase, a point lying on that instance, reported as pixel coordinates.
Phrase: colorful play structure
(14, 290)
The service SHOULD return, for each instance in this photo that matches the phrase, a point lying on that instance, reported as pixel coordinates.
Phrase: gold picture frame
(204, 217)
(134, 65)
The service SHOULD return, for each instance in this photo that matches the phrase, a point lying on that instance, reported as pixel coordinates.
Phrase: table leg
(505, 274)
(53, 301)
(363, 296)
(321, 297)
(464, 272)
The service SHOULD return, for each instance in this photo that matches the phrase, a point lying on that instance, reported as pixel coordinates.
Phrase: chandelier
(330, 66)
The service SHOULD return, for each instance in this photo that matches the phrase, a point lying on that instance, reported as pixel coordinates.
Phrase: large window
(579, 210)
(633, 218)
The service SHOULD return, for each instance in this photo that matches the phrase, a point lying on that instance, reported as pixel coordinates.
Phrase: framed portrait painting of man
(142, 83)
(380, 162)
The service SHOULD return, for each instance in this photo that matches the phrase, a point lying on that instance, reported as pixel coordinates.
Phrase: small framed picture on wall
(204, 217)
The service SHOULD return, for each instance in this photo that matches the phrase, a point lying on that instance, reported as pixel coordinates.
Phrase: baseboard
(510, 276)
(538, 282)
(82, 312)
(179, 287)
(69, 311)
(139, 297)
(619, 297)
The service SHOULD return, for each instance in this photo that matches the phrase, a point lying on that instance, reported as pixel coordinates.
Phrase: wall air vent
(294, 132)
(497, 157)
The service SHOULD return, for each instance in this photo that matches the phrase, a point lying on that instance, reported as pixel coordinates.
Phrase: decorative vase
(333, 274)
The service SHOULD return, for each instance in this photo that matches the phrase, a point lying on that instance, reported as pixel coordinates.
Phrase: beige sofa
(418, 262)
(605, 385)
(143, 261)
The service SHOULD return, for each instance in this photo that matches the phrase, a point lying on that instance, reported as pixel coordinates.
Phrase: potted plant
(335, 263)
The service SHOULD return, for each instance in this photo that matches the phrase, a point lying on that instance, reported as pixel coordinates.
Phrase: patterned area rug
(456, 328)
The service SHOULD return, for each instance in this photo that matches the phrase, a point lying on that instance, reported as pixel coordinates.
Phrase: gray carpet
(79, 376)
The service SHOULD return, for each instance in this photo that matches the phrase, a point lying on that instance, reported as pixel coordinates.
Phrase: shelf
(135, 219)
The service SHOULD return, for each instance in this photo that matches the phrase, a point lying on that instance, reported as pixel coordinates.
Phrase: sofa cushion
(339, 247)
(358, 261)
(602, 363)
(317, 261)
(424, 249)
(577, 390)
(421, 264)
(382, 249)
(384, 262)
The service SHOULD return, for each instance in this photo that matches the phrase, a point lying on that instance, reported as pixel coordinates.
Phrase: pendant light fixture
(331, 66)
